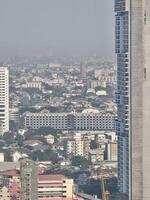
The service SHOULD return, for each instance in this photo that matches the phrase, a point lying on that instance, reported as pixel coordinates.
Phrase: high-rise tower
(133, 97)
(4, 99)
(83, 71)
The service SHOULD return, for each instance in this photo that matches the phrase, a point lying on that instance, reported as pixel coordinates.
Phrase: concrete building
(70, 121)
(29, 182)
(52, 187)
(14, 115)
(96, 155)
(4, 99)
(133, 97)
(16, 156)
(97, 83)
(99, 73)
(1, 157)
(33, 84)
(111, 151)
(78, 147)
(10, 185)
(50, 139)
(83, 70)
(4, 193)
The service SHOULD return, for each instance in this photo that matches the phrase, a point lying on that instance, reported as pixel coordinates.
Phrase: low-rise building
(70, 121)
(33, 84)
(96, 155)
(78, 147)
(55, 187)
(10, 185)
(1, 157)
(98, 83)
(16, 156)
(50, 139)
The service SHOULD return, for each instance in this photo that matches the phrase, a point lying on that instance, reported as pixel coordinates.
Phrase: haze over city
(74, 99)
(57, 28)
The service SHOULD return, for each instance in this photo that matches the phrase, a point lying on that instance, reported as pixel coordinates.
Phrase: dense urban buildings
(133, 99)
(4, 100)
(10, 185)
(24, 183)
(60, 123)
(58, 110)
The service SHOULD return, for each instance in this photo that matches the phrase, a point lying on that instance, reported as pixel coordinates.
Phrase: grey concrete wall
(136, 100)
(146, 103)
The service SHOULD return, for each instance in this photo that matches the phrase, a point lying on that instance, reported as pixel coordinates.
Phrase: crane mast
(105, 193)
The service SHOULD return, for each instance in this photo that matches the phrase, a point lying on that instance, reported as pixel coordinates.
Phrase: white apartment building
(2, 157)
(33, 84)
(4, 99)
(78, 147)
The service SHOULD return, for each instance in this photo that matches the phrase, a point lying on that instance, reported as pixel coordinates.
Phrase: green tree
(7, 156)
(119, 197)
(93, 144)
(47, 155)
(80, 161)
(20, 139)
(8, 138)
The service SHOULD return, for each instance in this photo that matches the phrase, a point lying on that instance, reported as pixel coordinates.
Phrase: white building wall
(4, 99)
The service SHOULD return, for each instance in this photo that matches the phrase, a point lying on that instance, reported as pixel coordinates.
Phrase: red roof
(13, 172)
(57, 177)
(60, 198)
(32, 142)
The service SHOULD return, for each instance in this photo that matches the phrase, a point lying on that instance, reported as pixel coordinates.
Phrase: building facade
(133, 98)
(10, 185)
(83, 71)
(78, 147)
(29, 179)
(4, 100)
(55, 187)
(70, 121)
(111, 151)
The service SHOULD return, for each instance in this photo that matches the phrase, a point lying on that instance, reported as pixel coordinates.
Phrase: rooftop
(12, 172)
(56, 177)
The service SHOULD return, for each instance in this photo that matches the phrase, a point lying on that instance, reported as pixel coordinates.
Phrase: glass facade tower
(122, 95)
(133, 97)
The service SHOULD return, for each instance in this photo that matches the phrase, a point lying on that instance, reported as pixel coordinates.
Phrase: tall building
(133, 97)
(29, 179)
(83, 71)
(4, 100)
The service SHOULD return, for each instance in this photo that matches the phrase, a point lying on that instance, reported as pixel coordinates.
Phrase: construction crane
(105, 193)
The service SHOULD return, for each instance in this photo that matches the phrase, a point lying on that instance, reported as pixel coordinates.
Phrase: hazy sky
(56, 27)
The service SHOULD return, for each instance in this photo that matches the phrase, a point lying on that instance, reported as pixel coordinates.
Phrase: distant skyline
(57, 28)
